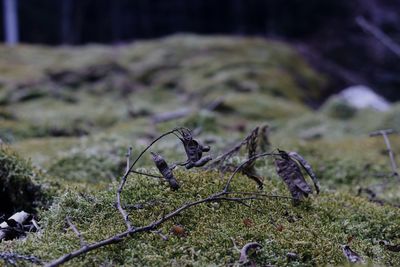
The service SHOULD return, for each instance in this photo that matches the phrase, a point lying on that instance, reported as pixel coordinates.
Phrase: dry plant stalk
(385, 134)
(252, 142)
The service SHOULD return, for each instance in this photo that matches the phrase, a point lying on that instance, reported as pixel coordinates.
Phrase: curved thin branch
(244, 164)
(129, 169)
(148, 228)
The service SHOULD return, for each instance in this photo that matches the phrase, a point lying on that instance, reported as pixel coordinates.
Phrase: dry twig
(76, 231)
(12, 258)
(385, 134)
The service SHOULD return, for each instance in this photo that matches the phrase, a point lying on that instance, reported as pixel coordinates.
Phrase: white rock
(360, 96)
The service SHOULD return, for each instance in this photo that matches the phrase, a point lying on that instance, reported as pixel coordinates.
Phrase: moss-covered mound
(314, 231)
(19, 190)
(76, 91)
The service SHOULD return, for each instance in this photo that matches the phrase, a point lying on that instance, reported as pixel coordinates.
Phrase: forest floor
(68, 116)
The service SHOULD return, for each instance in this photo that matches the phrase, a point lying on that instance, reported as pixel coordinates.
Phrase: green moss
(18, 184)
(260, 106)
(203, 120)
(314, 231)
(84, 168)
(391, 119)
(337, 108)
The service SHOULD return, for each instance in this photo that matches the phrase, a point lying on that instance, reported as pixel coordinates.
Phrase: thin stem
(391, 154)
(121, 210)
(260, 194)
(129, 169)
(147, 174)
(76, 231)
(243, 164)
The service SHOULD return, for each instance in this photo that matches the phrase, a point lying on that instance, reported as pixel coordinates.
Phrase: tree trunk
(66, 25)
(10, 22)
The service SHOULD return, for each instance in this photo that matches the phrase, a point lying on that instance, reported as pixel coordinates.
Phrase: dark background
(324, 31)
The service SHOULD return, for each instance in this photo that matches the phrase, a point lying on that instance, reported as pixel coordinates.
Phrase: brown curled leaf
(264, 141)
(194, 150)
(248, 169)
(307, 167)
(165, 170)
(351, 256)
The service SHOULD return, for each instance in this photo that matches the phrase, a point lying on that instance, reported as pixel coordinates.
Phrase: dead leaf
(165, 170)
(178, 230)
(290, 172)
(248, 222)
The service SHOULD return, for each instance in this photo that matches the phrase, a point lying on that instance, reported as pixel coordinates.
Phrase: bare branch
(147, 174)
(128, 157)
(148, 228)
(158, 232)
(121, 210)
(379, 35)
(76, 231)
(12, 258)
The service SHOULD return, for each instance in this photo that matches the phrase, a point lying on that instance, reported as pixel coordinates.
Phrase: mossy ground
(314, 231)
(75, 111)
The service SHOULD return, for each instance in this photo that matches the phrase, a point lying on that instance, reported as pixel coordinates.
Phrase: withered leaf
(289, 170)
(178, 230)
(248, 222)
(194, 150)
(351, 256)
(165, 170)
(248, 169)
(307, 167)
(264, 142)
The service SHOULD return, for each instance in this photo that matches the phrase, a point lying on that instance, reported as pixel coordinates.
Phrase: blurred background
(80, 80)
(353, 42)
